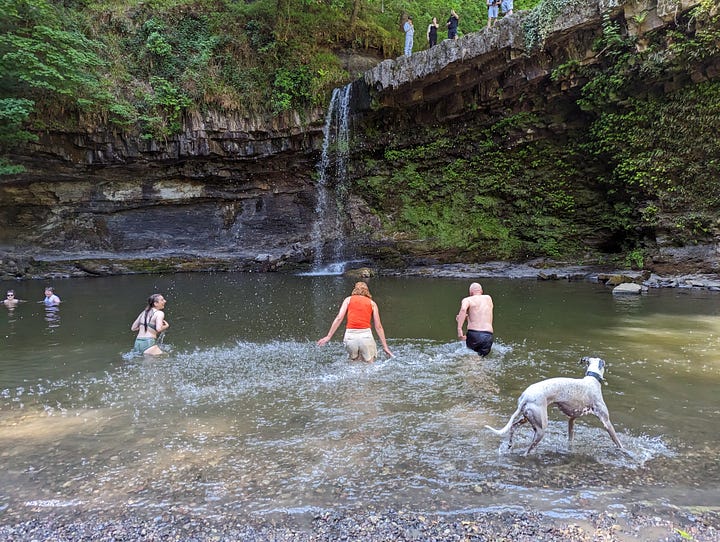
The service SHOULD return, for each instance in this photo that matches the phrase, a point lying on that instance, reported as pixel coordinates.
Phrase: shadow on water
(241, 421)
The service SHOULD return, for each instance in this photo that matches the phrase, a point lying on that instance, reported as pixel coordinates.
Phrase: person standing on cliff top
(432, 32)
(492, 12)
(409, 36)
(452, 25)
(506, 7)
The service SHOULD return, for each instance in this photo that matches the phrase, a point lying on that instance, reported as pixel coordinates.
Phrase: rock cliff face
(227, 189)
(491, 75)
(238, 193)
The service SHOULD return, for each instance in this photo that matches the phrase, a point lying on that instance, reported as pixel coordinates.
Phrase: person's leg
(368, 349)
(352, 348)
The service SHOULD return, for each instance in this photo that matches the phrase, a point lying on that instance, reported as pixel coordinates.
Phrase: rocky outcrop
(226, 189)
(501, 62)
(498, 72)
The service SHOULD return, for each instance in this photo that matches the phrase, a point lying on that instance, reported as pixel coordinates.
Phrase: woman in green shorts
(149, 324)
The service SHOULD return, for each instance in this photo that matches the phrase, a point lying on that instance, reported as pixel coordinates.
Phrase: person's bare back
(477, 308)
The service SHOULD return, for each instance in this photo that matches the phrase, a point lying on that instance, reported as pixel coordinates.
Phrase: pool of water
(246, 414)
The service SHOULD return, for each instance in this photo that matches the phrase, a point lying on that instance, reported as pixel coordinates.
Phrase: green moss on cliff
(472, 194)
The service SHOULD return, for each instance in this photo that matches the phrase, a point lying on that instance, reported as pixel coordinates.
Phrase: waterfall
(331, 185)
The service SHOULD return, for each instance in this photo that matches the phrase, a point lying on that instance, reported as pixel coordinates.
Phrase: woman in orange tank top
(360, 310)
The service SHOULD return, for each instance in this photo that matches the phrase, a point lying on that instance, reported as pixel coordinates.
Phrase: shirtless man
(477, 308)
(10, 300)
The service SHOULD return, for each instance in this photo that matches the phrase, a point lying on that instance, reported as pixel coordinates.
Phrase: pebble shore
(500, 526)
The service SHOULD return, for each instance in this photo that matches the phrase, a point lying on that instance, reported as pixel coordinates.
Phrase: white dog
(574, 396)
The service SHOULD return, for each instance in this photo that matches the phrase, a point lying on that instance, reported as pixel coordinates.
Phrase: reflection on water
(246, 414)
(52, 317)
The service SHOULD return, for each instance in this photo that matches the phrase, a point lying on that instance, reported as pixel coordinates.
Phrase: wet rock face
(224, 184)
(157, 214)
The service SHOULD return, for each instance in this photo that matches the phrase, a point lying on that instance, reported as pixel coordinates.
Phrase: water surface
(247, 415)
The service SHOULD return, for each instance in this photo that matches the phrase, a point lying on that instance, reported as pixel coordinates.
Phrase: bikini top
(151, 323)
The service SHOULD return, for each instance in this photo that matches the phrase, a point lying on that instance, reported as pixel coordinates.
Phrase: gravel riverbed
(389, 525)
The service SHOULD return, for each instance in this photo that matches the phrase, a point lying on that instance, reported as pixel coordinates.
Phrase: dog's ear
(585, 361)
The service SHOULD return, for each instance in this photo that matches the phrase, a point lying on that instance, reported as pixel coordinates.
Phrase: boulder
(627, 288)
(360, 273)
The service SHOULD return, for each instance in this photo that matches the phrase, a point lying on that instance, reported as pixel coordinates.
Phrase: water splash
(288, 427)
(331, 269)
(332, 176)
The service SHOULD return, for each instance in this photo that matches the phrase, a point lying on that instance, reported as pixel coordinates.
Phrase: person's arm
(160, 323)
(460, 318)
(336, 323)
(379, 329)
(136, 324)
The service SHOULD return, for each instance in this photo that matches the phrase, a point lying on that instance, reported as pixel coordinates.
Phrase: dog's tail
(504, 431)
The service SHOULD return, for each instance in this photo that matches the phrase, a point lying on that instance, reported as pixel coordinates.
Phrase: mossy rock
(360, 273)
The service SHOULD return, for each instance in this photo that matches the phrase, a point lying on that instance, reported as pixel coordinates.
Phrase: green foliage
(165, 105)
(485, 200)
(635, 259)
(659, 158)
(13, 113)
(131, 62)
(51, 60)
(291, 89)
(8, 168)
(41, 64)
(649, 161)
(541, 19)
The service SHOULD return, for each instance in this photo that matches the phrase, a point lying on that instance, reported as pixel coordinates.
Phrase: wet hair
(10, 292)
(361, 288)
(49, 289)
(150, 306)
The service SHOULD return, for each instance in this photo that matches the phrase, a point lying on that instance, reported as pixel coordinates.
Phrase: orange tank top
(359, 312)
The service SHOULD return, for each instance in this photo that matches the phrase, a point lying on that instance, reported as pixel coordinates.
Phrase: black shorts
(480, 341)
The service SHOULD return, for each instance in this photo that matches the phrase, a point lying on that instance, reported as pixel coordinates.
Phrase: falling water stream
(246, 415)
(331, 189)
